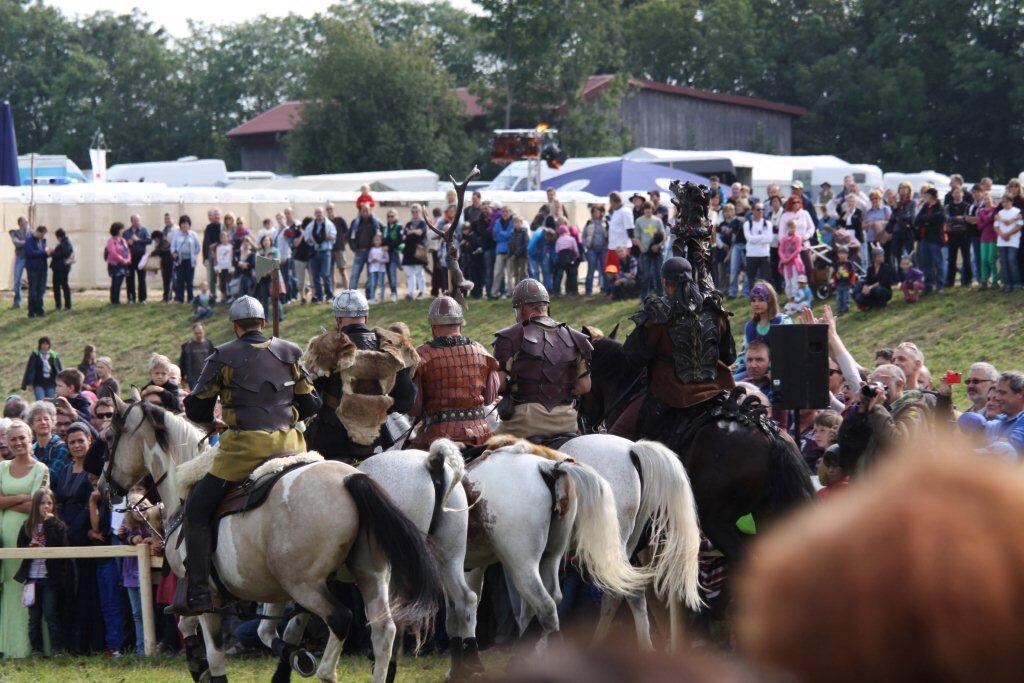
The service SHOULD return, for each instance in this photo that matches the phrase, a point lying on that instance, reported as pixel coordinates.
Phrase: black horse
(736, 466)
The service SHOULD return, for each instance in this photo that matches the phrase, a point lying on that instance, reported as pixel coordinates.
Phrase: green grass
(953, 329)
(165, 668)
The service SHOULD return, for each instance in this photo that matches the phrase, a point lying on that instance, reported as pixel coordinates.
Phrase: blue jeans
(929, 257)
(976, 256)
(289, 281)
(375, 282)
(321, 274)
(108, 580)
(19, 271)
(489, 256)
(135, 599)
(533, 267)
(843, 297)
(1009, 268)
(595, 266)
(44, 392)
(650, 274)
(184, 273)
(393, 265)
(36, 291)
(737, 259)
(358, 262)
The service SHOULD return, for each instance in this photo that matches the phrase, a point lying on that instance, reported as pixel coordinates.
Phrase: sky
(174, 14)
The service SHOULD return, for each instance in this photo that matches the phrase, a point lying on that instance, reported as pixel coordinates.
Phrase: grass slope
(954, 329)
(165, 668)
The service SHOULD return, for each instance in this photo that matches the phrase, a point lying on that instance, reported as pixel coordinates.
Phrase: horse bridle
(117, 425)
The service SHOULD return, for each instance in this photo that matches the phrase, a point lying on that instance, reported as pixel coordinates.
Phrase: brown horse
(735, 467)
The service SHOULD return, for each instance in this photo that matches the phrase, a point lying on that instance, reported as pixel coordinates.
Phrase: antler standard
(460, 286)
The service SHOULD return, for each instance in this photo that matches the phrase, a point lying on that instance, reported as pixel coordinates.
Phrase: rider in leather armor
(264, 394)
(328, 433)
(684, 342)
(457, 379)
(544, 365)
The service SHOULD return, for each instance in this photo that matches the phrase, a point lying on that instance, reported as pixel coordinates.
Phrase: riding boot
(199, 511)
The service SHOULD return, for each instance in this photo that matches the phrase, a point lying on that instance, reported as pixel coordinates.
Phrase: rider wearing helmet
(457, 379)
(683, 341)
(544, 366)
(375, 380)
(264, 394)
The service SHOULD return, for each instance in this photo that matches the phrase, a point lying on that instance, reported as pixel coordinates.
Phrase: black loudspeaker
(799, 358)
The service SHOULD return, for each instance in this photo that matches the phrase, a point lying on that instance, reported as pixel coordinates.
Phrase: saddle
(250, 493)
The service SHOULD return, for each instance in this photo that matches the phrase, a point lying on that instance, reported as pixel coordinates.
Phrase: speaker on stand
(799, 367)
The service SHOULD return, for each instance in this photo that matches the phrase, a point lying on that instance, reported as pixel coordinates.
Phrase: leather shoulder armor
(284, 350)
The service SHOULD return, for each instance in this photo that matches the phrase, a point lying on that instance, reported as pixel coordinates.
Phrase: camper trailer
(184, 172)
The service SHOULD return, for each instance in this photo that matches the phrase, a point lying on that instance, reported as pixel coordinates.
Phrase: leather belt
(455, 415)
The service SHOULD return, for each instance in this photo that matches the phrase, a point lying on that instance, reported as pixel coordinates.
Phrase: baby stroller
(823, 258)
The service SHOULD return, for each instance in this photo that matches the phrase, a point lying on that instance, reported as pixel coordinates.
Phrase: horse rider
(350, 424)
(264, 394)
(457, 380)
(684, 342)
(545, 366)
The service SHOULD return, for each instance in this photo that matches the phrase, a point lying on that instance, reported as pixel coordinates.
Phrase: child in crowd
(160, 383)
(989, 237)
(69, 385)
(913, 281)
(1008, 224)
(791, 266)
(802, 298)
(365, 198)
(202, 304)
(134, 531)
(843, 278)
(518, 244)
(825, 432)
(623, 277)
(836, 478)
(42, 579)
(223, 258)
(567, 257)
(378, 260)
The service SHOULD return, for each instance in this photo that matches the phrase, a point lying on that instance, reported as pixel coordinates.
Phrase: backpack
(565, 258)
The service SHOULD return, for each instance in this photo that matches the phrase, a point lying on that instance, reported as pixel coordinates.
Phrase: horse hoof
(303, 663)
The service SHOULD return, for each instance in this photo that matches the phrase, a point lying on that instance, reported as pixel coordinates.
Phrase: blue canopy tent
(8, 148)
(617, 176)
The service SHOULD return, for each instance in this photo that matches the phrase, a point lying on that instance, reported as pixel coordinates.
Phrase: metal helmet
(676, 268)
(246, 308)
(529, 291)
(445, 310)
(350, 303)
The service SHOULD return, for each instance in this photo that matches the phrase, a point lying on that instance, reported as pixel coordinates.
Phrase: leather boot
(196, 598)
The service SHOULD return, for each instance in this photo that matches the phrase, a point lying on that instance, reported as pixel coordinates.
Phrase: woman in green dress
(19, 478)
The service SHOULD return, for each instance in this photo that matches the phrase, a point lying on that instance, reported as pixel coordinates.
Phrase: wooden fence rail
(141, 551)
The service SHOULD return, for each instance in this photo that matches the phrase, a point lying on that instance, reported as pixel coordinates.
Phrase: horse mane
(171, 431)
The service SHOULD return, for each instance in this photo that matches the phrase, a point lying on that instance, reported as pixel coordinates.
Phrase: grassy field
(172, 669)
(954, 329)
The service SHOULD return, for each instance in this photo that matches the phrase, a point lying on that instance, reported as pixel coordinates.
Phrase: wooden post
(146, 597)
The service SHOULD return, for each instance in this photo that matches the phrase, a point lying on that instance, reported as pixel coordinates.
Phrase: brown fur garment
(513, 444)
(327, 352)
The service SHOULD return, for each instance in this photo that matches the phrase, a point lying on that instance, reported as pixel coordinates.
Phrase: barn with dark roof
(654, 114)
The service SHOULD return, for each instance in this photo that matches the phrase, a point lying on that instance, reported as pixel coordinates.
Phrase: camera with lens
(869, 391)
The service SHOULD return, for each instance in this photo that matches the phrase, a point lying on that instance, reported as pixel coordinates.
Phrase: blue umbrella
(616, 176)
(8, 148)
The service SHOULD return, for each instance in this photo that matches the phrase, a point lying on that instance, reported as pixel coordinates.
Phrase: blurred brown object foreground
(915, 573)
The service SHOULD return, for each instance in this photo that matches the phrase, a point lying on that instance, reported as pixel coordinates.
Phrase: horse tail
(666, 500)
(789, 480)
(414, 575)
(442, 452)
(596, 534)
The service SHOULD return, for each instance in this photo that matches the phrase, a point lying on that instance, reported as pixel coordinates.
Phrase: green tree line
(906, 85)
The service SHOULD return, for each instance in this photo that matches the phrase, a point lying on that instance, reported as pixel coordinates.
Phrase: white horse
(320, 520)
(426, 487)
(651, 491)
(529, 509)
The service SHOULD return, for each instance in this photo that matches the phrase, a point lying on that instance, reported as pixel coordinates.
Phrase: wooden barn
(655, 115)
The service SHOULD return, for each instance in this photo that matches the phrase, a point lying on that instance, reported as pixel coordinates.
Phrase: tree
(376, 106)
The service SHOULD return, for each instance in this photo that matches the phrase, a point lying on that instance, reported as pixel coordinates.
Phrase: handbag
(421, 254)
(28, 594)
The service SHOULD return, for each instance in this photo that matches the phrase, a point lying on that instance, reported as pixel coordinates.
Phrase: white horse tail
(667, 501)
(445, 451)
(596, 534)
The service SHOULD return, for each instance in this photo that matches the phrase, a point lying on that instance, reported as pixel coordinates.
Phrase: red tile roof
(596, 84)
(279, 119)
(284, 116)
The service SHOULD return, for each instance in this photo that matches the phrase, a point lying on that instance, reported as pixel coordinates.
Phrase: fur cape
(367, 373)
(189, 473)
